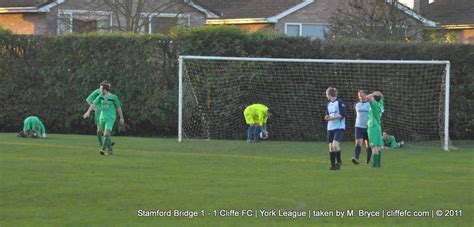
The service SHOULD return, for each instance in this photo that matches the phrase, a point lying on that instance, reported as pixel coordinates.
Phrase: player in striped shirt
(362, 110)
(336, 118)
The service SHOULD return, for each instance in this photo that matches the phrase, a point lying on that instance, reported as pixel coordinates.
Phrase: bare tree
(118, 15)
(132, 15)
(372, 20)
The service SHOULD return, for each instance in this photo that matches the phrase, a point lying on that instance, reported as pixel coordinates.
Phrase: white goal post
(213, 91)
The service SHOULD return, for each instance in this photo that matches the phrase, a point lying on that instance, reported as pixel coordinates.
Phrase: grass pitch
(63, 181)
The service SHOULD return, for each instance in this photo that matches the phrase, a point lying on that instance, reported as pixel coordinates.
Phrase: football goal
(214, 91)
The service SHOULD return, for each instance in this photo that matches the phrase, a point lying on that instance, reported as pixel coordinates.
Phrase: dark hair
(106, 85)
(377, 98)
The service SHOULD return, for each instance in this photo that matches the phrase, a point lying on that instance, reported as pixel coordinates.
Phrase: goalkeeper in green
(90, 99)
(109, 104)
(391, 142)
(374, 127)
(33, 127)
(256, 116)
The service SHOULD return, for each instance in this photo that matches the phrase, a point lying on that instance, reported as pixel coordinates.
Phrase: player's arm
(120, 113)
(88, 112)
(42, 130)
(90, 99)
(92, 107)
(118, 107)
(370, 97)
(327, 117)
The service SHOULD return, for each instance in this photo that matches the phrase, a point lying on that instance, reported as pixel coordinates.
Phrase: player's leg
(368, 150)
(109, 125)
(249, 120)
(357, 150)
(358, 144)
(249, 133)
(376, 142)
(106, 126)
(338, 135)
(102, 143)
(332, 153)
(99, 131)
(256, 133)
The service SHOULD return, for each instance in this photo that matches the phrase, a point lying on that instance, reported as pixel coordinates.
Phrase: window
(308, 30)
(82, 21)
(293, 30)
(164, 22)
(82, 26)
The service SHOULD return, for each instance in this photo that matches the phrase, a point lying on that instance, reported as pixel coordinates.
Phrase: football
(264, 135)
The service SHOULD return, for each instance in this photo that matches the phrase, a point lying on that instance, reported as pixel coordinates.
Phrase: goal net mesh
(216, 92)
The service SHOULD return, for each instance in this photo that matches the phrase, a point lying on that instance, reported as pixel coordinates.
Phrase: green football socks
(99, 137)
(377, 158)
(106, 142)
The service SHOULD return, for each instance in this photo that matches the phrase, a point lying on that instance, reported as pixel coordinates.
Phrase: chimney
(420, 5)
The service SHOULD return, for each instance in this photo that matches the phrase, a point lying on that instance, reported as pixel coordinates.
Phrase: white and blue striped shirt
(334, 108)
(362, 110)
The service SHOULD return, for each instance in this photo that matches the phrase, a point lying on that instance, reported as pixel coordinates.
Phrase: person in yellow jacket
(256, 116)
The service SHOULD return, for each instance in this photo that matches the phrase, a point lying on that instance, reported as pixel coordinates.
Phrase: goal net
(214, 92)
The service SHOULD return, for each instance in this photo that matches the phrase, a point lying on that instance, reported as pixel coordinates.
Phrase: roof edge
(43, 8)
(289, 11)
(199, 7)
(237, 21)
(412, 13)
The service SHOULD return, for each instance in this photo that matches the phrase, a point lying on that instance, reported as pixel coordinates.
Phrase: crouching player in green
(256, 116)
(374, 127)
(90, 99)
(391, 142)
(108, 104)
(32, 127)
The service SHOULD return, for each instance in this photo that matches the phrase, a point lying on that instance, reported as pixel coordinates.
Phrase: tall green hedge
(51, 76)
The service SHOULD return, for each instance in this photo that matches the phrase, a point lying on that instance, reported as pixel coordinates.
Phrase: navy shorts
(336, 135)
(361, 133)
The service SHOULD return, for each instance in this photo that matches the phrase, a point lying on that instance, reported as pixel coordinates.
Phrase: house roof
(413, 14)
(270, 11)
(239, 9)
(24, 3)
(451, 12)
(27, 6)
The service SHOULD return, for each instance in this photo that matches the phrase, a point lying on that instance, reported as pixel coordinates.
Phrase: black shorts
(336, 135)
(361, 133)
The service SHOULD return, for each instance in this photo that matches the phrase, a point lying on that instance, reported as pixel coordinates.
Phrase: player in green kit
(374, 126)
(90, 99)
(33, 127)
(109, 104)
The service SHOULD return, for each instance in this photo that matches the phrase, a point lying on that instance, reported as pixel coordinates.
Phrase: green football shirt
(393, 142)
(108, 104)
(34, 123)
(375, 113)
(93, 96)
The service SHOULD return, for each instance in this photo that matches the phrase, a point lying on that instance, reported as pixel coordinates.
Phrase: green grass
(63, 181)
